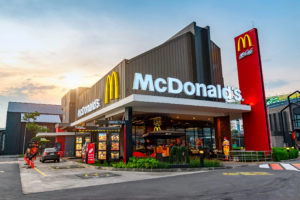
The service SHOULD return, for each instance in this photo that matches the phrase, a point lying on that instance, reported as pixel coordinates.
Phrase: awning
(167, 105)
(163, 134)
(55, 134)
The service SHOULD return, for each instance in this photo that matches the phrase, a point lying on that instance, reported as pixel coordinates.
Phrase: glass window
(199, 138)
(180, 141)
(206, 137)
(140, 143)
(213, 141)
(190, 137)
(133, 137)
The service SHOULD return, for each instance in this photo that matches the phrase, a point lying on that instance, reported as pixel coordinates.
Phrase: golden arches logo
(112, 83)
(157, 128)
(244, 42)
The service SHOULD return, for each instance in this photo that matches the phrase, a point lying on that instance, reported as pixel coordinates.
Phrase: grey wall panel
(12, 137)
(70, 143)
(171, 59)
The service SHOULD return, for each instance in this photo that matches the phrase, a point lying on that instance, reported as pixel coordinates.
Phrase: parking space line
(40, 171)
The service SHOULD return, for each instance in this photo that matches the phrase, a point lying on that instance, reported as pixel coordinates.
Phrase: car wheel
(58, 160)
(43, 161)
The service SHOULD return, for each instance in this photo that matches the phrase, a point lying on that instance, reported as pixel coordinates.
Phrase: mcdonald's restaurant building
(176, 86)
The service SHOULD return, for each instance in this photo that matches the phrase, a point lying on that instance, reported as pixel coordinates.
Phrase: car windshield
(50, 150)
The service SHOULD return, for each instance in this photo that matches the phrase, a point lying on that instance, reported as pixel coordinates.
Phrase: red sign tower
(256, 124)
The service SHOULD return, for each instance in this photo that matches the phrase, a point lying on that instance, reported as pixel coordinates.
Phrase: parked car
(50, 154)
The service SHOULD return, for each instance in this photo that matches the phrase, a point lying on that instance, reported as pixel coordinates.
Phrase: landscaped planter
(179, 166)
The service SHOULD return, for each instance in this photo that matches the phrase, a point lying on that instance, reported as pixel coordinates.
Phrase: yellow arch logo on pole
(112, 83)
(244, 42)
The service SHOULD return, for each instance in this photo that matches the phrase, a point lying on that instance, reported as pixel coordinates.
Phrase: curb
(156, 170)
(168, 170)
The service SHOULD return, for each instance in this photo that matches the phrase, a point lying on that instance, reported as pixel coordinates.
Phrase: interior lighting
(194, 118)
(177, 117)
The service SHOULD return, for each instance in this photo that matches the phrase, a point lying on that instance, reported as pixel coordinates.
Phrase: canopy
(163, 134)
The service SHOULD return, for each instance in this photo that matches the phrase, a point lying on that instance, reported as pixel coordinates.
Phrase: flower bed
(151, 163)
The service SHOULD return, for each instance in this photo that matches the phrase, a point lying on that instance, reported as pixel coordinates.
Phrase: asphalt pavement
(249, 182)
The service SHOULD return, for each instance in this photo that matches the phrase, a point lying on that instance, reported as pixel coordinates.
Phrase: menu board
(78, 139)
(115, 137)
(102, 146)
(78, 146)
(102, 155)
(115, 146)
(115, 155)
(102, 137)
(78, 153)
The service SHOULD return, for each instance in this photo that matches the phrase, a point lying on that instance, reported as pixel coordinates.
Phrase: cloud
(63, 90)
(60, 77)
(27, 89)
(276, 84)
(94, 75)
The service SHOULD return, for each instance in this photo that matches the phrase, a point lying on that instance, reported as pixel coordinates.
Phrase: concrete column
(128, 146)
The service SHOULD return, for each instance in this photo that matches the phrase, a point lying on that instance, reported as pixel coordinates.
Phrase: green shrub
(186, 154)
(134, 162)
(178, 152)
(237, 148)
(280, 153)
(207, 163)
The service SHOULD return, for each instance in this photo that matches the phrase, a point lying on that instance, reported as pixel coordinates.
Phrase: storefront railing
(246, 156)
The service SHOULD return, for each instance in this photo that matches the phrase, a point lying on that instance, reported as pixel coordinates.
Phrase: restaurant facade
(176, 86)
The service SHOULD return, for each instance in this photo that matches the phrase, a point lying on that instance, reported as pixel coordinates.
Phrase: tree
(30, 119)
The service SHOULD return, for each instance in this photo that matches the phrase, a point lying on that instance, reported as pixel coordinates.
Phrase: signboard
(90, 153)
(89, 108)
(189, 88)
(280, 98)
(255, 123)
(115, 122)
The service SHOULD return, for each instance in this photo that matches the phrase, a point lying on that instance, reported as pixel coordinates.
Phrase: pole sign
(90, 153)
(255, 123)
(115, 122)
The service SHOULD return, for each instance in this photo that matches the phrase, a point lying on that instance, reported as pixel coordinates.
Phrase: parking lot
(50, 176)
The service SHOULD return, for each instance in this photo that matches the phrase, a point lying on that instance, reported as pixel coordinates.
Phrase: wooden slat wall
(217, 66)
(171, 59)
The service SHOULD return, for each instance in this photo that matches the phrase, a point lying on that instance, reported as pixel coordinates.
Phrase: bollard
(201, 158)
(32, 165)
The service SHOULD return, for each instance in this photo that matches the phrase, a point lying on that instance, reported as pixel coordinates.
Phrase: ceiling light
(208, 118)
(177, 117)
(194, 118)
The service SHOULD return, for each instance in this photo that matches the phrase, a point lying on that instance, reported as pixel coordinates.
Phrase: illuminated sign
(89, 108)
(188, 88)
(243, 40)
(112, 82)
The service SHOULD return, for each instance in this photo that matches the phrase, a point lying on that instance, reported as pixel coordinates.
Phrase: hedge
(280, 153)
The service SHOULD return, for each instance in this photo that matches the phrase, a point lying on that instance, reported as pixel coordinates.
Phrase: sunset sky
(49, 47)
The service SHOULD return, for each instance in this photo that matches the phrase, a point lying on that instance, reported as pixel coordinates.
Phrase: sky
(50, 47)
